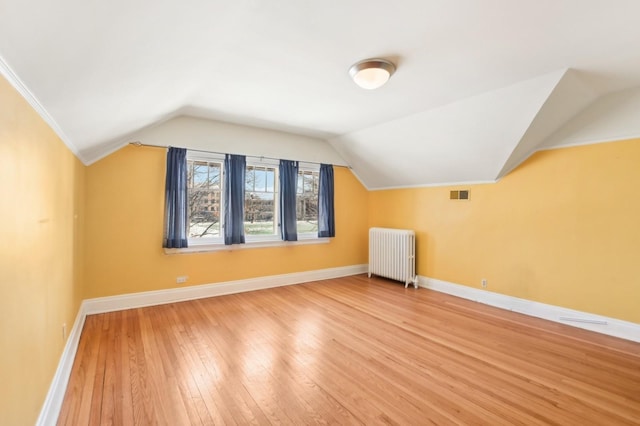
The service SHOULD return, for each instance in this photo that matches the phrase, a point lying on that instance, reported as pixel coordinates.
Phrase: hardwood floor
(347, 351)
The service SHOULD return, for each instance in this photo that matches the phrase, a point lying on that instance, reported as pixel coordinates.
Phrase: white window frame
(212, 158)
(208, 244)
(308, 167)
(267, 162)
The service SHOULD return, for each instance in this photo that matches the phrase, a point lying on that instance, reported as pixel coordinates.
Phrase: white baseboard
(601, 324)
(160, 297)
(53, 402)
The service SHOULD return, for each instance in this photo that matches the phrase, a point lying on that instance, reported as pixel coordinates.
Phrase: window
(260, 201)
(205, 174)
(204, 188)
(307, 201)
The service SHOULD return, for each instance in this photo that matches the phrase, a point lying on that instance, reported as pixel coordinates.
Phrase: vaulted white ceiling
(479, 84)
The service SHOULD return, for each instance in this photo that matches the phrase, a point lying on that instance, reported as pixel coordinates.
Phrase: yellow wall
(41, 190)
(563, 229)
(560, 229)
(125, 207)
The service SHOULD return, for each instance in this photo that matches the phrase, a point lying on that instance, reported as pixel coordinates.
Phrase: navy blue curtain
(235, 167)
(326, 216)
(175, 200)
(288, 182)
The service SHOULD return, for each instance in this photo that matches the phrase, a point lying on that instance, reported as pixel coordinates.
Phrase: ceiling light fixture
(371, 73)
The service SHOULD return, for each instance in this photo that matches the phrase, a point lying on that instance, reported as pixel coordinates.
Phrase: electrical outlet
(484, 283)
(182, 279)
(64, 331)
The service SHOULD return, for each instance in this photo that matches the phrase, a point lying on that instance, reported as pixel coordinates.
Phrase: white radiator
(392, 254)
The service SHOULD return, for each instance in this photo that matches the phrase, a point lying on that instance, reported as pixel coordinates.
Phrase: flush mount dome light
(371, 73)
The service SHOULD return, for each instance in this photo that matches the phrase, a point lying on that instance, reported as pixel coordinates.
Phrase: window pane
(260, 202)
(271, 174)
(200, 173)
(308, 183)
(260, 180)
(307, 202)
(249, 179)
(299, 185)
(203, 193)
(214, 175)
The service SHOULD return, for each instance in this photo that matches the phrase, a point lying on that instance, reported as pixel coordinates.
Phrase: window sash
(314, 168)
(193, 157)
(256, 169)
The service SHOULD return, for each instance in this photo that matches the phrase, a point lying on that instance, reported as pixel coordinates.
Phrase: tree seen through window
(204, 192)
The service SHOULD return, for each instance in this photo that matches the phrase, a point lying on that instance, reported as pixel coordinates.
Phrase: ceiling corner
(16, 82)
(609, 118)
(565, 99)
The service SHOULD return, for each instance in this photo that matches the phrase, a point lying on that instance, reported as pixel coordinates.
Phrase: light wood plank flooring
(347, 351)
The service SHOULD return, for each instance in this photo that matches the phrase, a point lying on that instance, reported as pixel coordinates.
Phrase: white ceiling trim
(17, 84)
(591, 142)
(437, 185)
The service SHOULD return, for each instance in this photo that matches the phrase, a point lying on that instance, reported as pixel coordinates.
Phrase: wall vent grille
(459, 195)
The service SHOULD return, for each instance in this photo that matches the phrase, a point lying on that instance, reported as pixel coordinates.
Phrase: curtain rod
(138, 143)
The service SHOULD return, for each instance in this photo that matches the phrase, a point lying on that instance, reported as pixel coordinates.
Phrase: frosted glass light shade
(371, 73)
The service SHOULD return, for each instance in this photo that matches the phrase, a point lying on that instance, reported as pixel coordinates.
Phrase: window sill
(203, 248)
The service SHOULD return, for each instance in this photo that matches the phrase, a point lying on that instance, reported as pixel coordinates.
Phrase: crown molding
(19, 85)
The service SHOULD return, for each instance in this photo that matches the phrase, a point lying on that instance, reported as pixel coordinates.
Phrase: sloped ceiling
(472, 140)
(478, 87)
